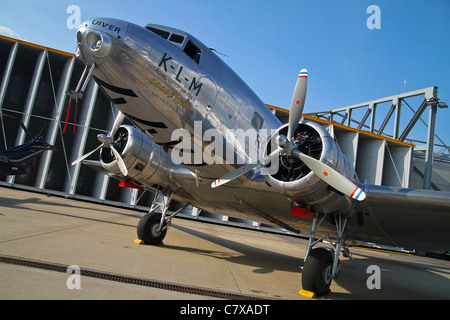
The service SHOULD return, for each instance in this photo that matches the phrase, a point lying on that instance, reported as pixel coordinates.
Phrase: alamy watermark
(374, 280)
(74, 280)
(74, 19)
(231, 146)
(374, 20)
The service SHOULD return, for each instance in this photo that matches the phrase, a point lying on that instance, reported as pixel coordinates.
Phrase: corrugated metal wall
(33, 90)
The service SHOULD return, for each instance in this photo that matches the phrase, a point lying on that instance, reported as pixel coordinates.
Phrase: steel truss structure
(431, 149)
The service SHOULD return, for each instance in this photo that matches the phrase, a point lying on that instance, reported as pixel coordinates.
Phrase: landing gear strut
(153, 226)
(322, 265)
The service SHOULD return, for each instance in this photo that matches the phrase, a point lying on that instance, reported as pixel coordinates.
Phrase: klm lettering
(194, 84)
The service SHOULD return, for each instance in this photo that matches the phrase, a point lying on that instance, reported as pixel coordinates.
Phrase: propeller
(287, 146)
(108, 141)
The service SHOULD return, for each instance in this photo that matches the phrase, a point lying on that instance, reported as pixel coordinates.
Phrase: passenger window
(176, 38)
(193, 51)
(159, 32)
(257, 121)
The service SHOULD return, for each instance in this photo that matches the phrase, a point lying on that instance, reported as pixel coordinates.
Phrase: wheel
(147, 229)
(316, 276)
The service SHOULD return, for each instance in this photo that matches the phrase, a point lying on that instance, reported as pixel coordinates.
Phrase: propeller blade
(233, 175)
(86, 155)
(119, 119)
(242, 170)
(122, 166)
(298, 102)
(331, 176)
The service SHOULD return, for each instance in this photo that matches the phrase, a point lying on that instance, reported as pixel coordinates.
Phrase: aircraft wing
(409, 218)
(96, 165)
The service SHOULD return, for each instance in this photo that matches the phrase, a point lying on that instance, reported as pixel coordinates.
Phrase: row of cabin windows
(190, 49)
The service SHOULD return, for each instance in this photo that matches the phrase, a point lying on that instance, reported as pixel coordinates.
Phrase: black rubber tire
(316, 275)
(147, 229)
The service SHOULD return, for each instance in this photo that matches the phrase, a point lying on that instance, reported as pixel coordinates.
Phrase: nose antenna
(223, 54)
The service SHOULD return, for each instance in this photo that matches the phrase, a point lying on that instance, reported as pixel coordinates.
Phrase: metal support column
(31, 98)
(430, 146)
(58, 108)
(5, 81)
(373, 107)
(397, 118)
(39, 67)
(81, 138)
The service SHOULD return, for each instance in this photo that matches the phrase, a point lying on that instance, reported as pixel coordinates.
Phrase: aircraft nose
(95, 36)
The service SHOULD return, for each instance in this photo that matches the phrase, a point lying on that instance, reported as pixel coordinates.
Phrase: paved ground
(197, 254)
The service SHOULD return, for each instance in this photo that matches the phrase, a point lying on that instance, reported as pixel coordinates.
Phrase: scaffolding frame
(429, 149)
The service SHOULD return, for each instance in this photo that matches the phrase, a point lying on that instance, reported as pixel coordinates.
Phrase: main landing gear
(153, 226)
(322, 265)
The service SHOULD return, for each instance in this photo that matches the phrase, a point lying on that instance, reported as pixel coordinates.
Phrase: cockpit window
(193, 51)
(159, 32)
(176, 38)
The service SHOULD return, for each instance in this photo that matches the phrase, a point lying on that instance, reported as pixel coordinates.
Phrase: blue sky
(268, 42)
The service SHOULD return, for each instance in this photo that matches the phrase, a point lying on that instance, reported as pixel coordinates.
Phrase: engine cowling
(297, 182)
(144, 159)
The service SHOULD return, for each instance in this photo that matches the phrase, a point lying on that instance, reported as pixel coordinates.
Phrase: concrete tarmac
(100, 237)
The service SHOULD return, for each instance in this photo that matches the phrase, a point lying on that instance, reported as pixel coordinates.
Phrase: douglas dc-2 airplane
(201, 136)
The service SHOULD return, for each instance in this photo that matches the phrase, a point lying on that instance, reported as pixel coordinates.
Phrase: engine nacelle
(296, 181)
(144, 159)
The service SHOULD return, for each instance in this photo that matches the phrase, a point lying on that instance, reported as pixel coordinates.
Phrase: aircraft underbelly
(245, 203)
